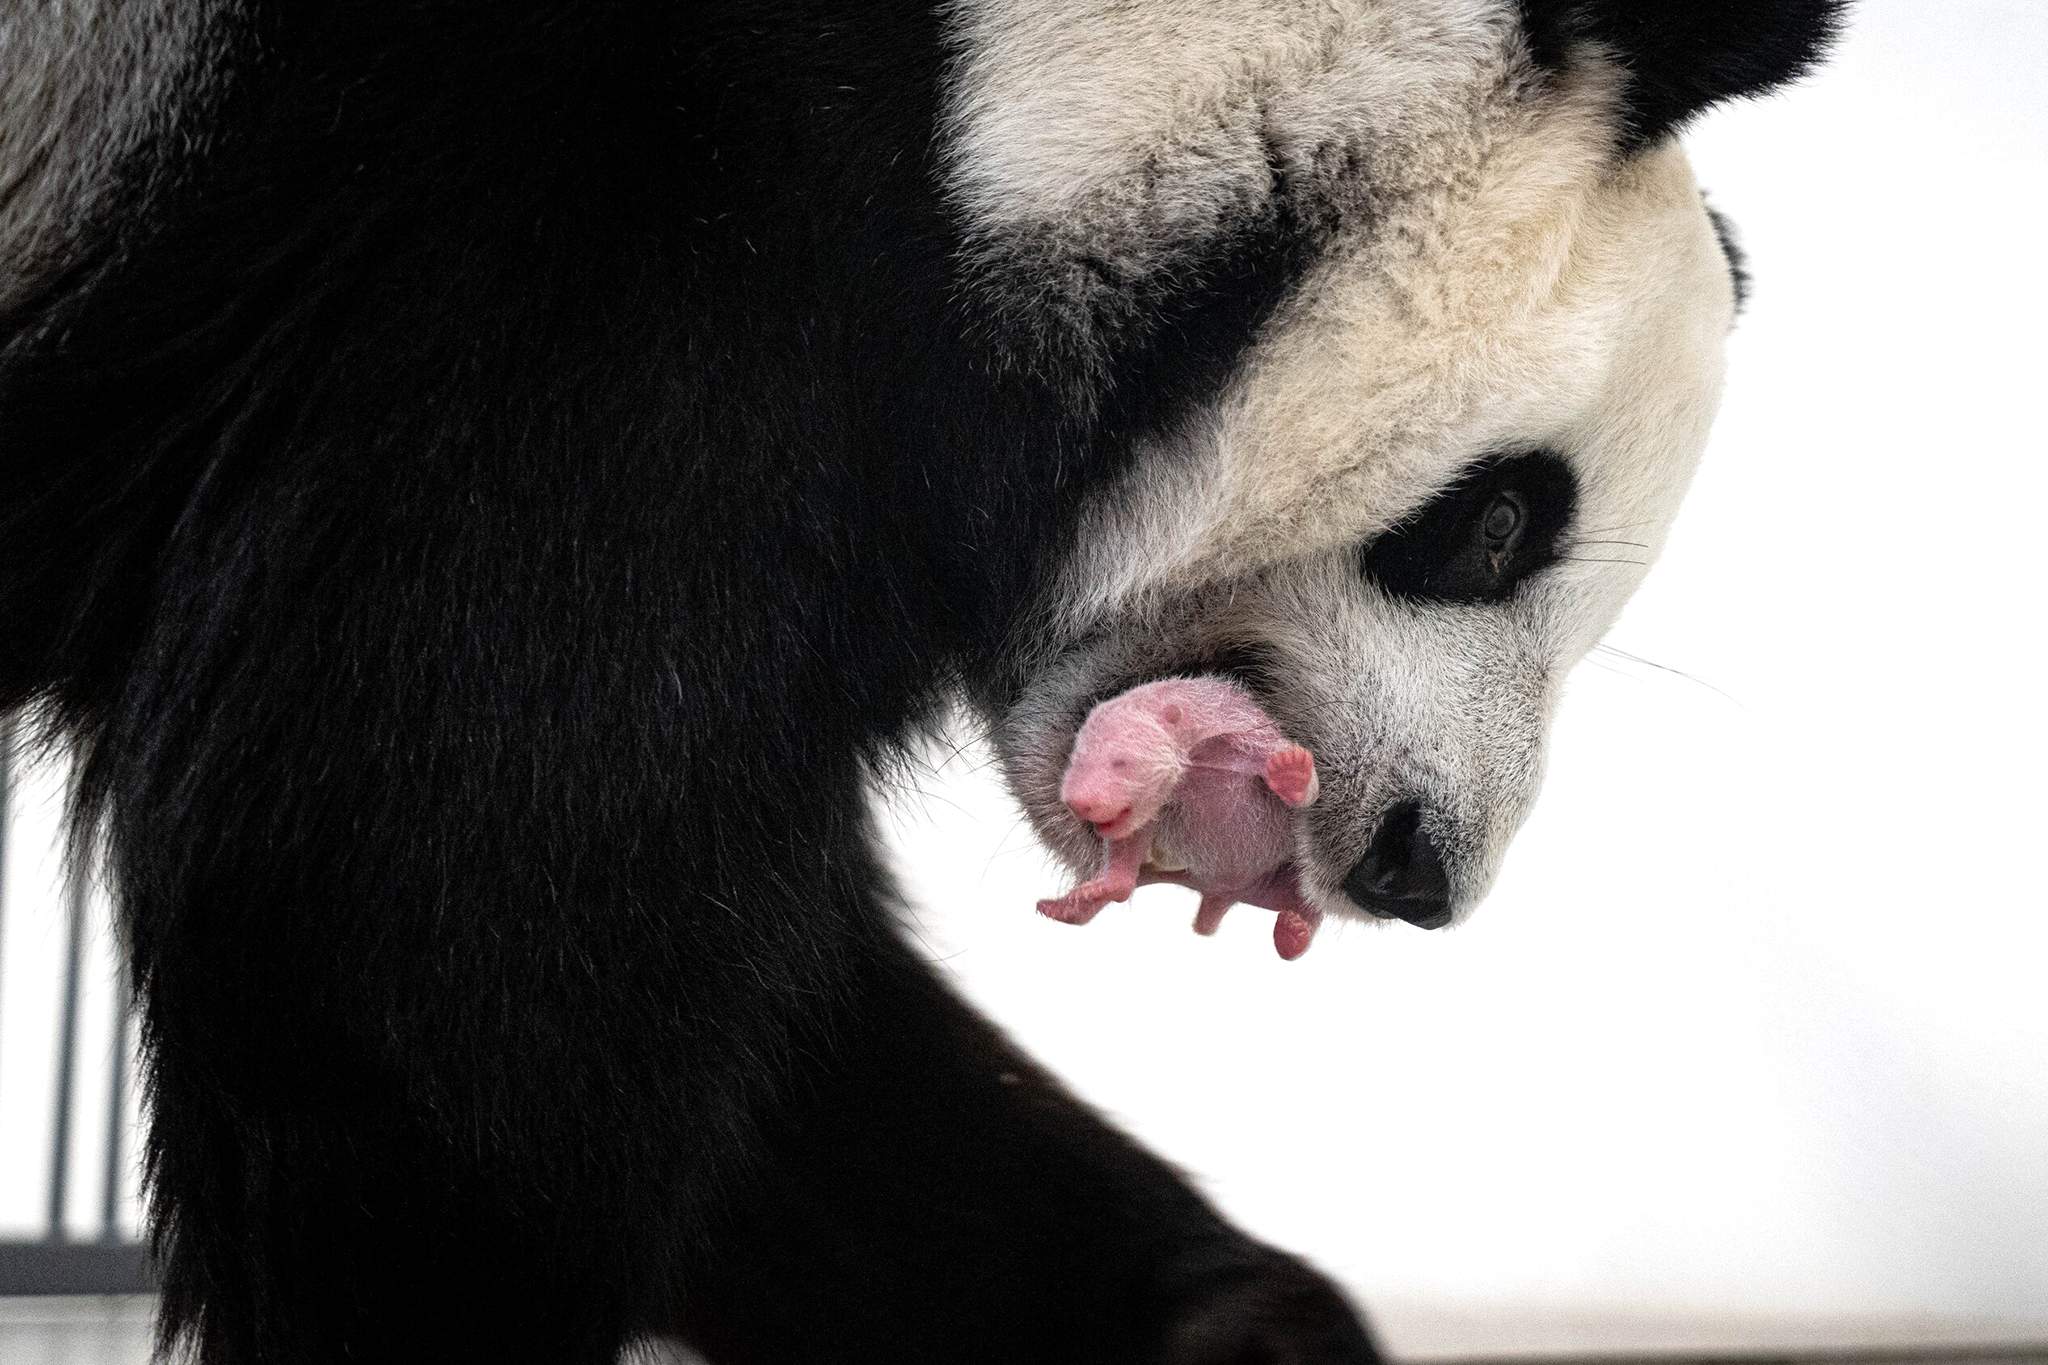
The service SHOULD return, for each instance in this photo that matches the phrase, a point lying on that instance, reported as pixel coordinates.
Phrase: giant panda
(484, 489)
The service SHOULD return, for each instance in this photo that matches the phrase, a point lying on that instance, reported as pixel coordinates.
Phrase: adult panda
(483, 487)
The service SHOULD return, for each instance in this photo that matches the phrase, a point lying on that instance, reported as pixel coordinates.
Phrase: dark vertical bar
(67, 1046)
(117, 1098)
(6, 811)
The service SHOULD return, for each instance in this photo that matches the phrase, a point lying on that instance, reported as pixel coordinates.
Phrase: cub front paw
(1291, 773)
(1084, 902)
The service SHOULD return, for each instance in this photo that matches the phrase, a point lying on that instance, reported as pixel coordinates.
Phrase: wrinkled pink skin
(1190, 774)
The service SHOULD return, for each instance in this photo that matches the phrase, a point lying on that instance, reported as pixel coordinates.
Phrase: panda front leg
(939, 1197)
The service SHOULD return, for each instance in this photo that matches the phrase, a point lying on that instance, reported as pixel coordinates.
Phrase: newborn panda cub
(1189, 781)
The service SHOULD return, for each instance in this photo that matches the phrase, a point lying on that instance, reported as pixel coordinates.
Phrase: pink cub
(1189, 781)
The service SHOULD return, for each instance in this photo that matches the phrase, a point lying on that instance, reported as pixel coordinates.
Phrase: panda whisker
(1661, 668)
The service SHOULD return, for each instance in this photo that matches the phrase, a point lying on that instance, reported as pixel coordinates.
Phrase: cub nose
(1402, 873)
(1098, 809)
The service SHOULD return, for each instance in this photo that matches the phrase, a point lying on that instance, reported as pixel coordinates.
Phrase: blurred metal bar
(117, 1103)
(52, 1263)
(6, 810)
(67, 1049)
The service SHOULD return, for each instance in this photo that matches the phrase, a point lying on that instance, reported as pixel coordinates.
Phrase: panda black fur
(482, 489)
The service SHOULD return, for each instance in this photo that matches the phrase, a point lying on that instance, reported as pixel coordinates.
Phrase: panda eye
(1503, 520)
(1479, 539)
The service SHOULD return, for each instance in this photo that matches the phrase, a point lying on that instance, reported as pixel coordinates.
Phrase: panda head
(1479, 312)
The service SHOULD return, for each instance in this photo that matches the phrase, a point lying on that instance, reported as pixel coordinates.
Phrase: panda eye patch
(1477, 540)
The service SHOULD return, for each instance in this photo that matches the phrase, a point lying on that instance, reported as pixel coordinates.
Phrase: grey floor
(116, 1331)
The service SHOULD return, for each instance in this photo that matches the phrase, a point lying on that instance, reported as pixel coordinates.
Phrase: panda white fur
(483, 487)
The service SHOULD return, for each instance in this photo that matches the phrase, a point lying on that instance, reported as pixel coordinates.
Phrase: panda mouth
(1249, 666)
(1163, 865)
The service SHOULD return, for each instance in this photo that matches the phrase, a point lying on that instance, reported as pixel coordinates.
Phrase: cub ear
(1684, 55)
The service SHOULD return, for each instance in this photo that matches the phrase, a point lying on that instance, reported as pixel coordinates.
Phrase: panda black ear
(1684, 55)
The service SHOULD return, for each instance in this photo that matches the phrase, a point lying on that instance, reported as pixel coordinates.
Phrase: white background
(1756, 1022)
(1754, 1026)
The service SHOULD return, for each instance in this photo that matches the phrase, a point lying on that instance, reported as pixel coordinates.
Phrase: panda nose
(1402, 873)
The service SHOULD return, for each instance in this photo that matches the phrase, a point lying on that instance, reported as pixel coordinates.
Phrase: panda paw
(1277, 1313)
(1291, 773)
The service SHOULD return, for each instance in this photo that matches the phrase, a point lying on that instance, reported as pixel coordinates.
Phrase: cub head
(1462, 312)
